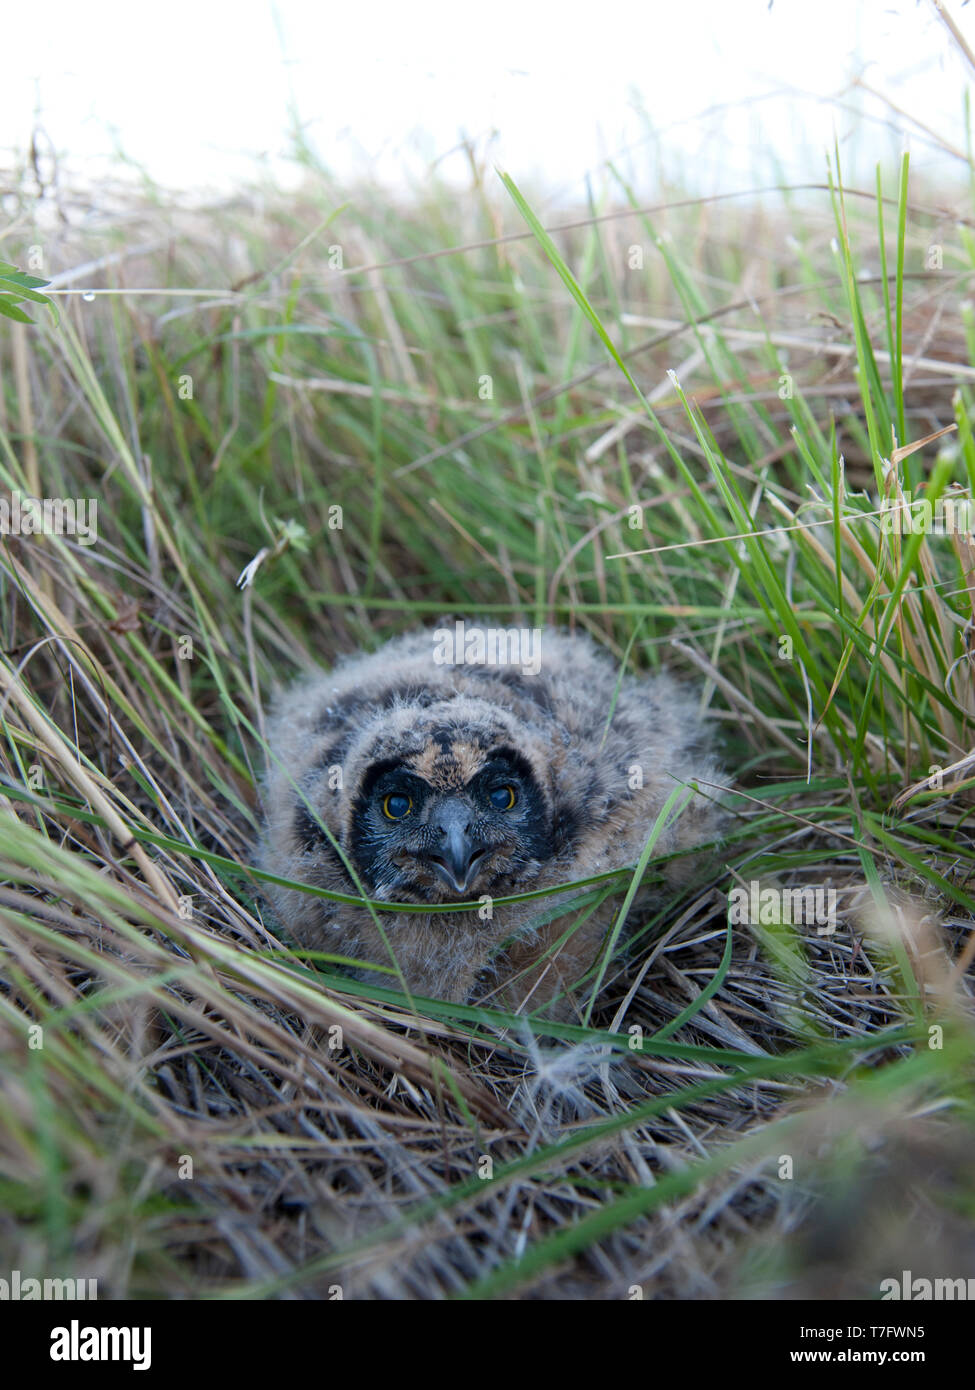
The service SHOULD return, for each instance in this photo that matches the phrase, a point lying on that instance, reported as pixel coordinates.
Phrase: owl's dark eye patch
(390, 777)
(389, 793)
(506, 782)
(505, 765)
(378, 775)
(396, 792)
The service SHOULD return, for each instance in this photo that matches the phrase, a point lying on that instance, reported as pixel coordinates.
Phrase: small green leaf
(14, 282)
(8, 308)
(20, 277)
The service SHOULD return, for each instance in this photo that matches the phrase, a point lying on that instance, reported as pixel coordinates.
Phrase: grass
(678, 440)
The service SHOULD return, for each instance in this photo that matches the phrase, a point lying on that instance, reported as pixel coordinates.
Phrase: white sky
(195, 91)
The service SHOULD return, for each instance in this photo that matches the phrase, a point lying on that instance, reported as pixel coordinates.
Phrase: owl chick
(452, 770)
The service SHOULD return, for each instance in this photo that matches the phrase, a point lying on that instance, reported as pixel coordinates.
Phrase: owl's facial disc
(441, 838)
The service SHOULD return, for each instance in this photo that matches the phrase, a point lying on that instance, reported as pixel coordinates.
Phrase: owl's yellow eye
(502, 798)
(396, 806)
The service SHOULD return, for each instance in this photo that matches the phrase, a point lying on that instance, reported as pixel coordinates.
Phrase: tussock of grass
(205, 1111)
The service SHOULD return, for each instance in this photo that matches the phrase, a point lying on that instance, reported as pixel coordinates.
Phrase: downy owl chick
(449, 772)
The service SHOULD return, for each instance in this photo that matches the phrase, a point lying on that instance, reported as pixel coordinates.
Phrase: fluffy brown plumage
(459, 742)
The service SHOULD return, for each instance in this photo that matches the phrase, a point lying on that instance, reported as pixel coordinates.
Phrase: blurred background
(708, 94)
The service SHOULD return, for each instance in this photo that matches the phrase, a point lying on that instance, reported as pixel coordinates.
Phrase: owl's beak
(456, 857)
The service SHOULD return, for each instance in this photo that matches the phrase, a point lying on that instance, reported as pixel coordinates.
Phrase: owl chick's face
(451, 828)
